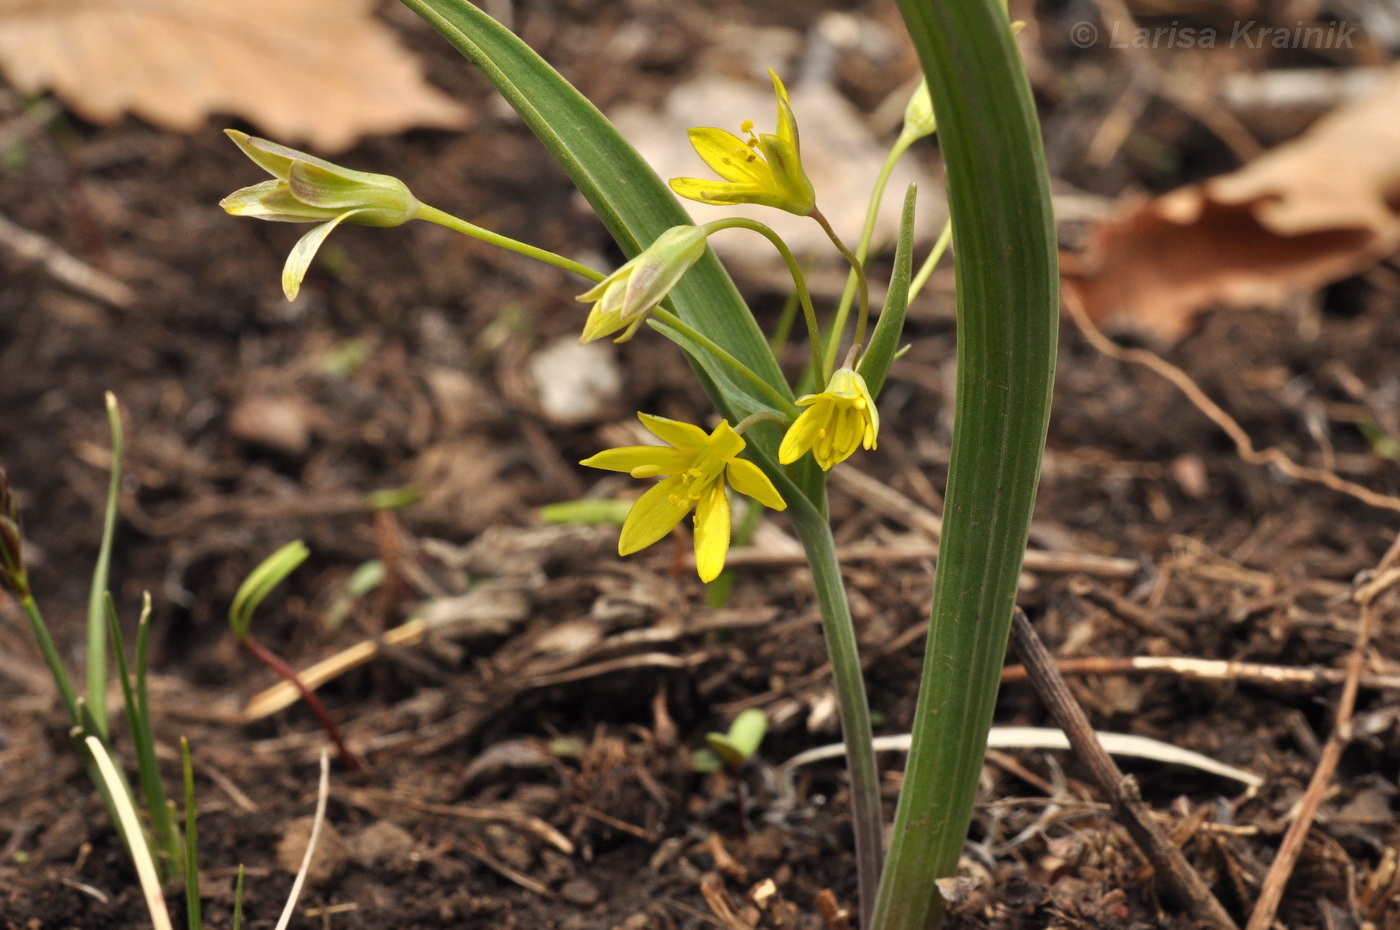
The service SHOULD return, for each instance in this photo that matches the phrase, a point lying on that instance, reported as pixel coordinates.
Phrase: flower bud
(624, 298)
(12, 574)
(919, 120)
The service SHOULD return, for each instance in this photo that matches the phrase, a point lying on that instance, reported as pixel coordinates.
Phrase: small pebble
(580, 891)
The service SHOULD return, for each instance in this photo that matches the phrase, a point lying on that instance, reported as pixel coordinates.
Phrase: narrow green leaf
(875, 364)
(1007, 285)
(191, 861)
(168, 846)
(238, 899)
(97, 623)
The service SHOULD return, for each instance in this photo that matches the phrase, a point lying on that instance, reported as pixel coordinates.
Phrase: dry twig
(1382, 579)
(63, 267)
(1244, 446)
(1179, 879)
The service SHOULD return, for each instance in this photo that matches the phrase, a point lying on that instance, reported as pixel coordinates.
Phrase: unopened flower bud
(12, 574)
(623, 299)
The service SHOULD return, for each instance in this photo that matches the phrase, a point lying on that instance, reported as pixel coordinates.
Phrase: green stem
(867, 233)
(934, 257)
(858, 269)
(763, 416)
(51, 657)
(840, 635)
(434, 215)
(771, 393)
(799, 280)
(781, 332)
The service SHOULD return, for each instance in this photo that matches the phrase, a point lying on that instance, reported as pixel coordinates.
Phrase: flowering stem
(858, 269)
(434, 215)
(840, 635)
(872, 212)
(930, 263)
(51, 657)
(770, 393)
(799, 281)
(763, 416)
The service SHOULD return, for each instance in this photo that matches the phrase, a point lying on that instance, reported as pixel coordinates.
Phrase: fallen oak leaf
(1306, 213)
(320, 72)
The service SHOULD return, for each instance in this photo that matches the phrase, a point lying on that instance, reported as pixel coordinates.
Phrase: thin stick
(323, 792)
(1179, 879)
(63, 267)
(1271, 891)
(1207, 670)
(1244, 446)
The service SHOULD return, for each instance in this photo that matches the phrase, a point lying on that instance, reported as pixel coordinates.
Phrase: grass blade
(191, 861)
(97, 621)
(131, 827)
(167, 836)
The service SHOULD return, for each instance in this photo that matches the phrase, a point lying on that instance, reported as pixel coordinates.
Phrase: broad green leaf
(1007, 285)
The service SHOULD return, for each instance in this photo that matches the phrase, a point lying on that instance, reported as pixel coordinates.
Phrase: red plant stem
(323, 717)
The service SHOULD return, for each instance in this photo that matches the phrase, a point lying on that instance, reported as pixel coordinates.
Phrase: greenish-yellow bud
(622, 300)
(919, 120)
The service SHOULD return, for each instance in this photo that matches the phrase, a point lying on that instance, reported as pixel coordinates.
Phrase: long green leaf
(1007, 282)
(629, 198)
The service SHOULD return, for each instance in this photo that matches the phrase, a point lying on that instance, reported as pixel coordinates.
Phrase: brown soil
(580, 702)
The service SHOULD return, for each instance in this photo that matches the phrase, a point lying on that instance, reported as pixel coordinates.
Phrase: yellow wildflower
(766, 169)
(624, 298)
(693, 470)
(306, 189)
(835, 422)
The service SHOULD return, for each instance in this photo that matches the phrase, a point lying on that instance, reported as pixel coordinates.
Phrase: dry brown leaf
(1312, 211)
(323, 72)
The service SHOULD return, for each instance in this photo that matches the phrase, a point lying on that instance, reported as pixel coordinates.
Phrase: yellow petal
(724, 442)
(711, 531)
(787, 123)
(748, 479)
(304, 251)
(681, 435)
(801, 433)
(652, 460)
(717, 193)
(654, 515)
(729, 156)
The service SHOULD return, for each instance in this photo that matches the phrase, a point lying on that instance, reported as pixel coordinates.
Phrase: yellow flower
(306, 189)
(835, 422)
(693, 471)
(765, 169)
(625, 297)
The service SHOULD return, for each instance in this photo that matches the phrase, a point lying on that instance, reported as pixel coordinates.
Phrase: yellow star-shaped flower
(693, 470)
(835, 422)
(764, 169)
